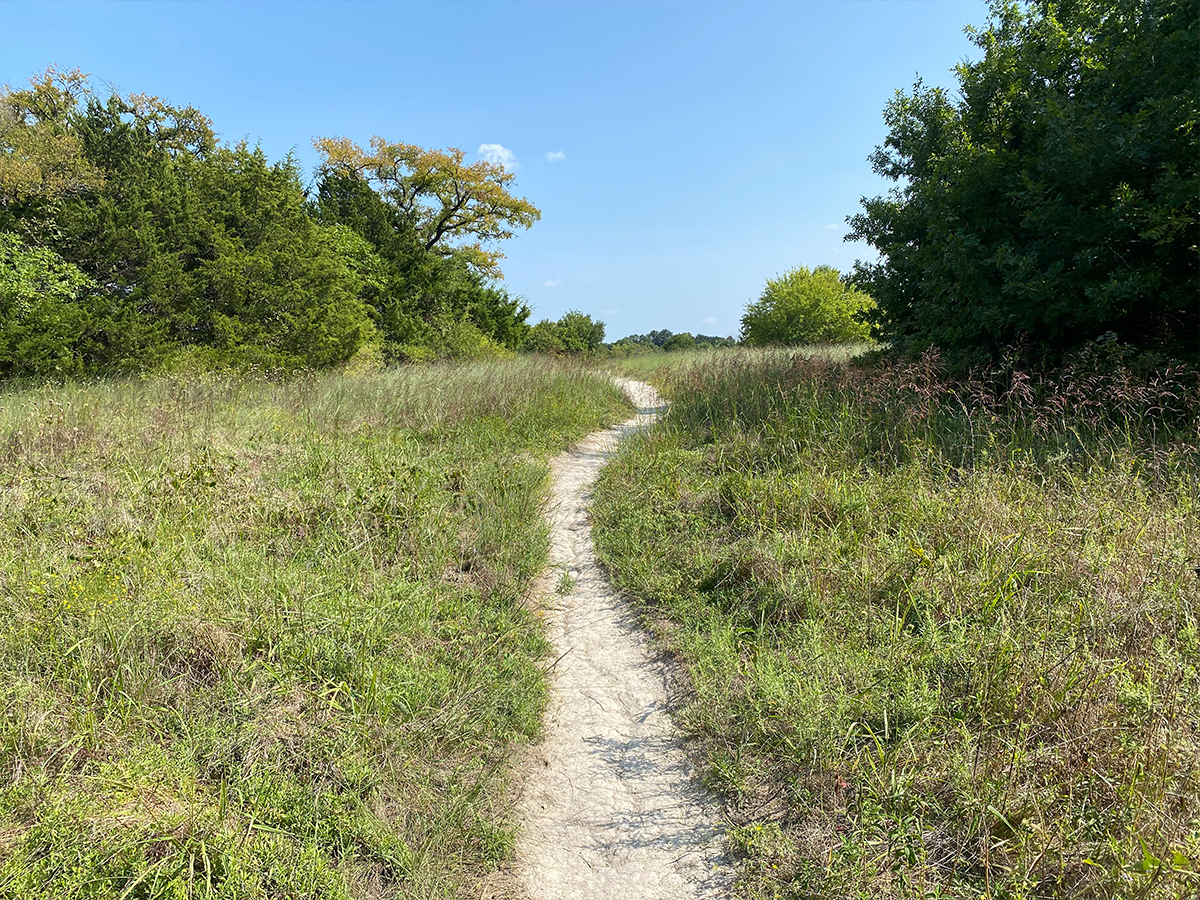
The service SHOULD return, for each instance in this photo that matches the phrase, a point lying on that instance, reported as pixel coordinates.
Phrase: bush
(575, 332)
(807, 307)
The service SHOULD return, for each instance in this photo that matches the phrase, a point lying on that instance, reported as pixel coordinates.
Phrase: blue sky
(705, 147)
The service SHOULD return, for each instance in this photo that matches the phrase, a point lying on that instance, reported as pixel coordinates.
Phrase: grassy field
(267, 639)
(658, 367)
(942, 635)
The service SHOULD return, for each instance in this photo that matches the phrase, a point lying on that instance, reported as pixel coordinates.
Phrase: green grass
(943, 636)
(657, 368)
(267, 639)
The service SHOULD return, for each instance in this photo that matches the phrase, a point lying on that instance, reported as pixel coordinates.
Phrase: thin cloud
(553, 282)
(556, 156)
(710, 321)
(609, 312)
(498, 153)
(832, 227)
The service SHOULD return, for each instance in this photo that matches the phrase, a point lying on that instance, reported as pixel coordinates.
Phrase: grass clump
(942, 634)
(267, 639)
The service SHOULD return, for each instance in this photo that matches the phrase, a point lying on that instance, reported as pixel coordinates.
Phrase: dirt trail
(609, 808)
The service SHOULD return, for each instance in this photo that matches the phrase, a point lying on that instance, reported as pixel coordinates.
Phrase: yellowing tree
(39, 156)
(456, 208)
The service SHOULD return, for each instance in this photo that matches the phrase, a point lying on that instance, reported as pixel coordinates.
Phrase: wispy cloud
(498, 153)
(832, 227)
(710, 321)
(609, 312)
(553, 282)
(556, 156)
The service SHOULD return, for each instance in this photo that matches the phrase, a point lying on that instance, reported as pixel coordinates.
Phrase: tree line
(1053, 202)
(132, 239)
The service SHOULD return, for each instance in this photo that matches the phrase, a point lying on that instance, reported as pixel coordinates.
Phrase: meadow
(939, 634)
(268, 638)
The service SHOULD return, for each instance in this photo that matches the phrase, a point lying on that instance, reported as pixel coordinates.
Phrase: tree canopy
(454, 207)
(130, 237)
(575, 332)
(1056, 199)
(804, 306)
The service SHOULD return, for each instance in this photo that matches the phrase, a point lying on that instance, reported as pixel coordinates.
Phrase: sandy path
(609, 808)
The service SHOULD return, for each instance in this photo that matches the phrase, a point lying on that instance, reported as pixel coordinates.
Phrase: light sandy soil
(609, 808)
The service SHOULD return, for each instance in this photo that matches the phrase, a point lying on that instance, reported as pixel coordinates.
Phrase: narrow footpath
(610, 809)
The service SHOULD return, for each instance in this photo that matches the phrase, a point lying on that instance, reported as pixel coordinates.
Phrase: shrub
(575, 332)
(805, 306)
(41, 315)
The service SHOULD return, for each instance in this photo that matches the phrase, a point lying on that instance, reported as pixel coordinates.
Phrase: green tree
(544, 337)
(575, 332)
(42, 311)
(41, 159)
(682, 341)
(580, 333)
(207, 247)
(420, 291)
(1057, 199)
(805, 306)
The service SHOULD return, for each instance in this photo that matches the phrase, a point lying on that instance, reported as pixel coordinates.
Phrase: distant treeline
(666, 340)
(131, 239)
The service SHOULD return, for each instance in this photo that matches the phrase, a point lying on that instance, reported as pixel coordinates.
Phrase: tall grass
(942, 633)
(266, 638)
(658, 366)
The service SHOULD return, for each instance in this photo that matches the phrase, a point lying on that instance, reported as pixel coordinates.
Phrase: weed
(566, 584)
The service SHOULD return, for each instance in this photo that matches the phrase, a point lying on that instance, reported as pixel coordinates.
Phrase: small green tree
(580, 333)
(543, 337)
(805, 306)
(682, 341)
(575, 332)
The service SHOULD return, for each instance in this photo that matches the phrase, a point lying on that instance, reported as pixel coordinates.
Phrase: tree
(543, 337)
(189, 248)
(455, 208)
(1058, 199)
(206, 247)
(419, 292)
(682, 341)
(41, 159)
(42, 310)
(805, 306)
(580, 333)
(575, 332)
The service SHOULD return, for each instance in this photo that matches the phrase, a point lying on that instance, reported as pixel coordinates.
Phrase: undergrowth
(942, 633)
(266, 638)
